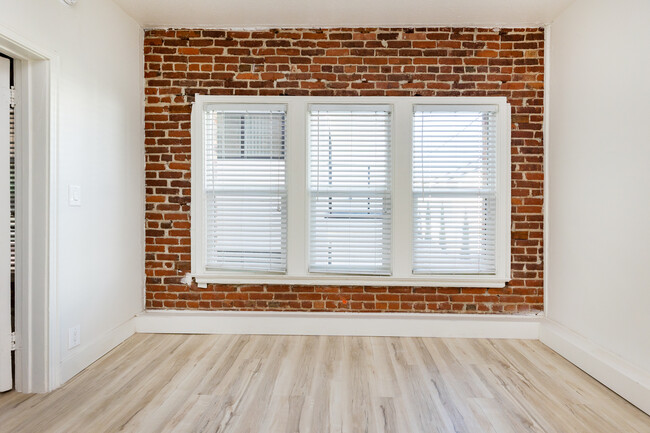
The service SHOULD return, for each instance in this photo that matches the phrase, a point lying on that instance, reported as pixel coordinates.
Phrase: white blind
(246, 194)
(454, 190)
(349, 183)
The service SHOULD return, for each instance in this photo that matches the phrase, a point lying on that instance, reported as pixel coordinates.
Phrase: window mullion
(402, 200)
(298, 202)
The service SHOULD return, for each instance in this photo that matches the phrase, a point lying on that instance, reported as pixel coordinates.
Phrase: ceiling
(340, 13)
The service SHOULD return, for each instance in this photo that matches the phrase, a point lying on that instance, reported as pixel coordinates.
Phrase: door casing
(35, 80)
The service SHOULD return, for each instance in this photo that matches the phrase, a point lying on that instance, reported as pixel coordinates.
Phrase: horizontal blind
(245, 188)
(350, 183)
(454, 190)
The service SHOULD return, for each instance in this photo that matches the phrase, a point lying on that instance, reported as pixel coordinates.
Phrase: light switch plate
(74, 195)
(74, 336)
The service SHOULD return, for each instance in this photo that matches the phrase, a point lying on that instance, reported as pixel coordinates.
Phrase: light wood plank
(274, 384)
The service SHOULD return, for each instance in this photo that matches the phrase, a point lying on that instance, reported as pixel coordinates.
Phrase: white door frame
(6, 377)
(35, 78)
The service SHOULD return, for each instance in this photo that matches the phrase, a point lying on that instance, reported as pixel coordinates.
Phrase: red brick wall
(342, 62)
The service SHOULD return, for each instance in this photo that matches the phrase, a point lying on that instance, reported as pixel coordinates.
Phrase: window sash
(350, 190)
(245, 188)
(454, 179)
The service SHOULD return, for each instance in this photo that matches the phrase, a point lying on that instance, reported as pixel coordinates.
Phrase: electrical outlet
(74, 336)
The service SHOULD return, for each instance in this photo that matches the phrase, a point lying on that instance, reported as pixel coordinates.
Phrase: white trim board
(78, 360)
(352, 324)
(625, 379)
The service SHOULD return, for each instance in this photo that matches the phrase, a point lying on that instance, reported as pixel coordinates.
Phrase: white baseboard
(361, 324)
(630, 382)
(91, 352)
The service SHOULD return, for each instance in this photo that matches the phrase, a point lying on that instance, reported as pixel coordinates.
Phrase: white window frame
(297, 167)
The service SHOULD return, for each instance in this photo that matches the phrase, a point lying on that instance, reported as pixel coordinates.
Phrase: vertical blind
(245, 188)
(454, 190)
(12, 190)
(350, 184)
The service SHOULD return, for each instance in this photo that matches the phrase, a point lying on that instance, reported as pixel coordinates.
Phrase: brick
(372, 62)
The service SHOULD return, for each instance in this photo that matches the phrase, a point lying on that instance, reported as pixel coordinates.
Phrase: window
(363, 190)
(245, 188)
(349, 185)
(454, 190)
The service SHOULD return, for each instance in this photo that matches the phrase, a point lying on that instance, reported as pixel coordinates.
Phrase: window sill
(353, 280)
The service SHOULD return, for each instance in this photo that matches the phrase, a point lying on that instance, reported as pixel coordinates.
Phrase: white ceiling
(337, 13)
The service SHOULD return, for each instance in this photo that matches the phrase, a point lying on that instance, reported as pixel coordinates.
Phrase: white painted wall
(99, 263)
(598, 281)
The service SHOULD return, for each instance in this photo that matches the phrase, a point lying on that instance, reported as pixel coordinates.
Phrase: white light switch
(74, 195)
(74, 336)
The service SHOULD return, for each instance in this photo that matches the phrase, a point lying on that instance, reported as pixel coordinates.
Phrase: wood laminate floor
(224, 383)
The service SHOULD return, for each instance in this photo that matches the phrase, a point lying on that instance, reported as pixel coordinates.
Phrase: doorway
(35, 360)
(7, 224)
